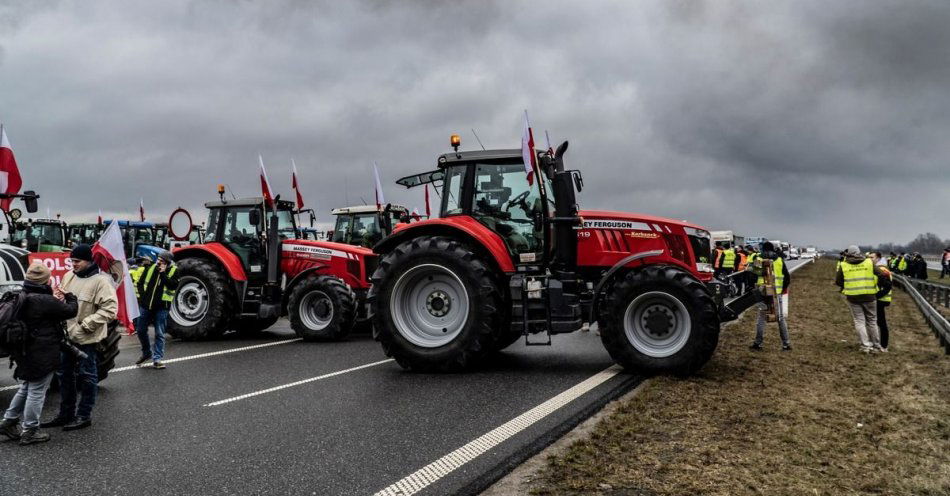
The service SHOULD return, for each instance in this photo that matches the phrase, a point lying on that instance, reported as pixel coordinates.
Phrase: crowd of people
(909, 264)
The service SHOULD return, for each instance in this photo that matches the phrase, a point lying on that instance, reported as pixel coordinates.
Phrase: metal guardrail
(927, 295)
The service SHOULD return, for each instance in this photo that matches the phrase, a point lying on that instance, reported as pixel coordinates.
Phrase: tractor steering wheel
(519, 200)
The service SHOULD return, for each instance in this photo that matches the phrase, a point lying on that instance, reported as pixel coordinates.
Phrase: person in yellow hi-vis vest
(782, 280)
(858, 278)
(156, 290)
(143, 264)
(884, 289)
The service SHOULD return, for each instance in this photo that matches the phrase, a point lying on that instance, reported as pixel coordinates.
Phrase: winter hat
(82, 252)
(853, 251)
(768, 246)
(38, 273)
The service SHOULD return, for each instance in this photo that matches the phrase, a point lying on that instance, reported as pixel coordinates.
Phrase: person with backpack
(98, 305)
(42, 312)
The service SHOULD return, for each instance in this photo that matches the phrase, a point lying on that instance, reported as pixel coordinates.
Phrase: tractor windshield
(342, 229)
(366, 230)
(45, 237)
(508, 205)
(285, 225)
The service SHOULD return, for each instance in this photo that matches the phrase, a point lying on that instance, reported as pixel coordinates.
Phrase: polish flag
(527, 150)
(142, 209)
(266, 190)
(109, 255)
(380, 199)
(428, 210)
(415, 213)
(296, 186)
(10, 181)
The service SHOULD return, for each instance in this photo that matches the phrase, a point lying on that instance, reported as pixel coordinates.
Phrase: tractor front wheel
(660, 320)
(436, 306)
(204, 301)
(322, 308)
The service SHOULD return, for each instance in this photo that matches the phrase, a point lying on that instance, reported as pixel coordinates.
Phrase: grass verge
(823, 419)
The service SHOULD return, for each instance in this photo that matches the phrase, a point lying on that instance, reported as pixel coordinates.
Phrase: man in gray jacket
(98, 305)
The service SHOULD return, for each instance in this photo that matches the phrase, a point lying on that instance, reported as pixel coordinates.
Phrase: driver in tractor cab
(493, 201)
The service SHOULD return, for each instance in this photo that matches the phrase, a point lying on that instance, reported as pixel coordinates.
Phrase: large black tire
(322, 308)
(248, 326)
(206, 289)
(449, 285)
(660, 320)
(107, 350)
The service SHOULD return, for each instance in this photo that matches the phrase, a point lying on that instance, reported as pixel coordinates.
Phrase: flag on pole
(415, 213)
(380, 199)
(548, 139)
(142, 209)
(10, 181)
(527, 150)
(266, 190)
(296, 186)
(109, 255)
(428, 210)
(99, 219)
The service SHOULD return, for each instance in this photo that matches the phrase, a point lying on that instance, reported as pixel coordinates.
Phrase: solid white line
(431, 473)
(298, 383)
(186, 358)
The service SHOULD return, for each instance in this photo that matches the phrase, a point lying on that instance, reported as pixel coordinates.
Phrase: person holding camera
(43, 312)
(156, 289)
(98, 305)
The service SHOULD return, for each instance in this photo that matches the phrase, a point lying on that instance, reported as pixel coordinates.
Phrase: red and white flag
(142, 209)
(527, 150)
(109, 255)
(296, 185)
(10, 180)
(266, 190)
(428, 210)
(380, 199)
(415, 214)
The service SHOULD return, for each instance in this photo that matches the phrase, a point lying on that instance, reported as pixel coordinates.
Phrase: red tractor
(251, 269)
(508, 259)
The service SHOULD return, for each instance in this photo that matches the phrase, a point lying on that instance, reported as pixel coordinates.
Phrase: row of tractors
(507, 258)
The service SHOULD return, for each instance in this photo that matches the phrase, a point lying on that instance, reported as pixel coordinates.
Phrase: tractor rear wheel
(322, 308)
(660, 320)
(436, 306)
(204, 302)
(107, 350)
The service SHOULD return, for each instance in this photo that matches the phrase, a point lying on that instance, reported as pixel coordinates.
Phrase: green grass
(823, 419)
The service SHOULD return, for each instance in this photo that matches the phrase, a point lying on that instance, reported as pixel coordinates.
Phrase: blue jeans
(28, 402)
(159, 317)
(86, 373)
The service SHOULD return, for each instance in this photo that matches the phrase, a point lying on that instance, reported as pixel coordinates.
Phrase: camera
(69, 347)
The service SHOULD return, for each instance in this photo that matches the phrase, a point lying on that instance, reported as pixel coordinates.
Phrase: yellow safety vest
(779, 274)
(729, 259)
(859, 279)
(902, 265)
(887, 297)
(168, 294)
(136, 273)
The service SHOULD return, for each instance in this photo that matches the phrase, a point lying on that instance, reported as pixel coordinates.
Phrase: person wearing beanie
(783, 279)
(884, 286)
(42, 311)
(156, 290)
(857, 276)
(97, 308)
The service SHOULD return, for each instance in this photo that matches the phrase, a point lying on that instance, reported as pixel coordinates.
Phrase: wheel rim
(191, 302)
(657, 324)
(429, 306)
(316, 310)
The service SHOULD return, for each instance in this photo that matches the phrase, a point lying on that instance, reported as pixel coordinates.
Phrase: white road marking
(298, 383)
(186, 358)
(431, 473)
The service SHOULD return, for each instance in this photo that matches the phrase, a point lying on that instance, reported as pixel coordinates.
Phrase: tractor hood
(326, 247)
(592, 217)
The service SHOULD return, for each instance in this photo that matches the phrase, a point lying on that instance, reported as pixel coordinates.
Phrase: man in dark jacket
(156, 289)
(43, 312)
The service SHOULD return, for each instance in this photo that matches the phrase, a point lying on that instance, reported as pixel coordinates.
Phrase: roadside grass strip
(431, 473)
(298, 383)
(186, 358)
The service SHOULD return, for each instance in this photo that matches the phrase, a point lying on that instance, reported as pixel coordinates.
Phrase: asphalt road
(276, 415)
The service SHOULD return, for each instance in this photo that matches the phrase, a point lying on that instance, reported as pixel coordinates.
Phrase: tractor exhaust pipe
(271, 293)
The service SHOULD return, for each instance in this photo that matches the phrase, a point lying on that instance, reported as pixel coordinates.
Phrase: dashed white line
(190, 357)
(297, 383)
(431, 473)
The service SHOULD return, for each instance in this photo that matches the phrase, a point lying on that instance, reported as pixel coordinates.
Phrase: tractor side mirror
(578, 180)
(30, 200)
(254, 217)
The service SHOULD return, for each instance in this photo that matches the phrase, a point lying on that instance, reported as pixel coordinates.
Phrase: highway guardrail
(928, 296)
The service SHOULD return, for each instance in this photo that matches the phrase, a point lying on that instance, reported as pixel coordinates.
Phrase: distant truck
(722, 237)
(809, 253)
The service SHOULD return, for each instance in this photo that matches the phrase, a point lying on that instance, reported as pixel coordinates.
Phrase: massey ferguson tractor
(508, 259)
(366, 225)
(251, 269)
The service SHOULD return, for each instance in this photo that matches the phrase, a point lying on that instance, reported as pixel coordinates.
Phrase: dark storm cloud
(792, 120)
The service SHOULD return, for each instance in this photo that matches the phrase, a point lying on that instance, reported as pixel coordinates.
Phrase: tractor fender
(460, 227)
(217, 252)
(611, 274)
(302, 276)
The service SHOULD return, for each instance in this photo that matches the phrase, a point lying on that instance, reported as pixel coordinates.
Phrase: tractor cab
(40, 235)
(83, 233)
(139, 239)
(161, 235)
(366, 225)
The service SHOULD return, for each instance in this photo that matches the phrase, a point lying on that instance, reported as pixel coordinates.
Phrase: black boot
(34, 435)
(59, 421)
(9, 428)
(79, 423)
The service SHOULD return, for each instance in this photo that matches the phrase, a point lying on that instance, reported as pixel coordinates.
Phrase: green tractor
(40, 235)
(83, 233)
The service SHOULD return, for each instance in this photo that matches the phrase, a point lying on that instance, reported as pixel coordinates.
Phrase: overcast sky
(818, 122)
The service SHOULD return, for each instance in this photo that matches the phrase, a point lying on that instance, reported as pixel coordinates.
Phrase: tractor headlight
(704, 267)
(23, 244)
